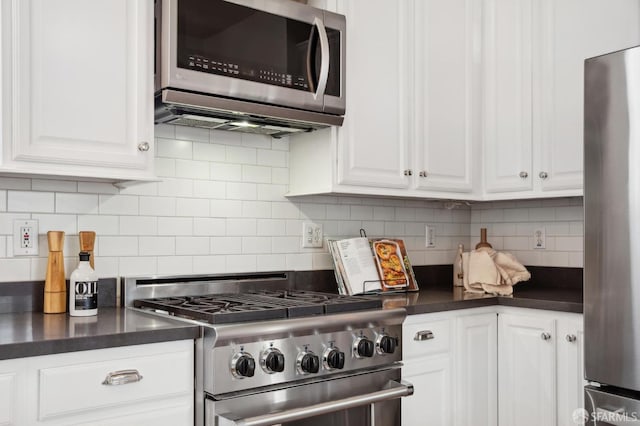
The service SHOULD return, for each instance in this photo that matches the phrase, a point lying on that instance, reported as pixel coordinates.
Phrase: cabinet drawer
(77, 388)
(435, 335)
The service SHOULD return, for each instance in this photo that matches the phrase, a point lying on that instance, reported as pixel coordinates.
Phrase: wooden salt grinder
(483, 239)
(55, 292)
(87, 241)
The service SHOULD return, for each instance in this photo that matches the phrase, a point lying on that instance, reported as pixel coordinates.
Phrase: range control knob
(243, 365)
(308, 362)
(386, 344)
(363, 348)
(333, 359)
(272, 361)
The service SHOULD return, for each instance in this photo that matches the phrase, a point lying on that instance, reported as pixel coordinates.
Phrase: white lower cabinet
(493, 366)
(450, 358)
(73, 388)
(12, 392)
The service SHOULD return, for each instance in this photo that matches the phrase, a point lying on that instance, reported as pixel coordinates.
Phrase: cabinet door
(431, 402)
(527, 378)
(77, 93)
(446, 86)
(570, 369)
(476, 382)
(507, 95)
(571, 31)
(373, 142)
(13, 399)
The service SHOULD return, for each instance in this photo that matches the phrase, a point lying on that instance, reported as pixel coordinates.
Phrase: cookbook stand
(385, 287)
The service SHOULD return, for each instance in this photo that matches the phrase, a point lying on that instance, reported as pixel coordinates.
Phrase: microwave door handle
(324, 58)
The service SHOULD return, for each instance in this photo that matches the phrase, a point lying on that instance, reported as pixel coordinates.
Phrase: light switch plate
(311, 235)
(539, 238)
(25, 237)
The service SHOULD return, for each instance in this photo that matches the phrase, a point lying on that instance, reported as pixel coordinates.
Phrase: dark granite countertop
(439, 299)
(27, 334)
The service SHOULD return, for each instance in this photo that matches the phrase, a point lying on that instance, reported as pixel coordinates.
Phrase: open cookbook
(377, 265)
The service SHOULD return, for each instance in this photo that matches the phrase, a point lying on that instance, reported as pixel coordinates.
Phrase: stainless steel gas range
(273, 355)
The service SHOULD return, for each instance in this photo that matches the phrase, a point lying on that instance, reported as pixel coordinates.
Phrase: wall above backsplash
(220, 207)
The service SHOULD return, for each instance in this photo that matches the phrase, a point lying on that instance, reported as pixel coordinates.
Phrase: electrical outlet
(539, 238)
(311, 235)
(25, 237)
(430, 236)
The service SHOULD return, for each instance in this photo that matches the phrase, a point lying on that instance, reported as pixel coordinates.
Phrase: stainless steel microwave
(268, 66)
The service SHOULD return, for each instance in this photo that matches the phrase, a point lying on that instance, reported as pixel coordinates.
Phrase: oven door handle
(393, 390)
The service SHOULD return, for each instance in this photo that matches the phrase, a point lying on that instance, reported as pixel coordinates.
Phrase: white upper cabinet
(446, 87)
(508, 93)
(373, 144)
(533, 106)
(77, 88)
(571, 31)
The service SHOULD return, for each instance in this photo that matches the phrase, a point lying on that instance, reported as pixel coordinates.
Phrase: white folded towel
(490, 271)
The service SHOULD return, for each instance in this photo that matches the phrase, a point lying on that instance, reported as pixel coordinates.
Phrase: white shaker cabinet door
(570, 32)
(447, 93)
(374, 140)
(527, 374)
(78, 87)
(431, 403)
(507, 121)
(570, 369)
(13, 400)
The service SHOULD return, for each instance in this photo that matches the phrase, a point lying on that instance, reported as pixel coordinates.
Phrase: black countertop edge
(31, 334)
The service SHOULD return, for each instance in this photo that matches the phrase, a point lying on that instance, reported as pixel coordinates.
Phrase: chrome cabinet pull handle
(144, 147)
(424, 335)
(524, 175)
(122, 377)
(571, 338)
(545, 336)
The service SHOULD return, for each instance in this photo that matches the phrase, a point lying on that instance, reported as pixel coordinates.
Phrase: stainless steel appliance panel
(366, 399)
(604, 408)
(612, 219)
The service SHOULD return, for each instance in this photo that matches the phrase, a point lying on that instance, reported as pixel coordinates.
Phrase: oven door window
(223, 38)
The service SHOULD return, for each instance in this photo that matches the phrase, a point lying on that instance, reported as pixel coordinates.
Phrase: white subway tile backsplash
(172, 148)
(157, 206)
(118, 204)
(56, 222)
(226, 172)
(192, 207)
(117, 246)
(192, 245)
(76, 203)
(240, 155)
(221, 207)
(241, 227)
(157, 246)
(138, 225)
(225, 245)
(256, 174)
(190, 169)
(241, 191)
(257, 209)
(272, 158)
(28, 201)
(193, 134)
(175, 226)
(271, 262)
(15, 269)
(226, 208)
(209, 264)
(209, 189)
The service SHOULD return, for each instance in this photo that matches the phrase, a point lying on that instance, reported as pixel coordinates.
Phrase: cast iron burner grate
(258, 305)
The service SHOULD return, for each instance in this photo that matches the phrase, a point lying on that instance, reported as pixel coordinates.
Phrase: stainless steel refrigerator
(612, 238)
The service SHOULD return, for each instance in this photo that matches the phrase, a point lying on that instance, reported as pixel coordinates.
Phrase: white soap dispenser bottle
(83, 289)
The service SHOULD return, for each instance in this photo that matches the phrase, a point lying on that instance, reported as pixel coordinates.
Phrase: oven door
(276, 52)
(368, 399)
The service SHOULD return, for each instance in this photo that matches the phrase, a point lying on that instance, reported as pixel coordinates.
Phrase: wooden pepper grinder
(55, 292)
(87, 241)
(483, 239)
